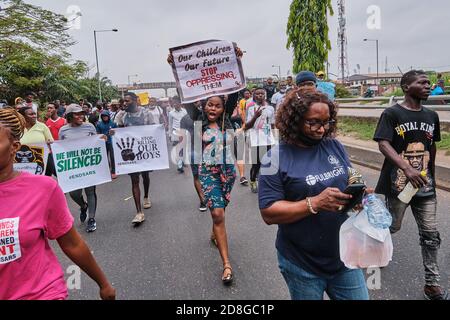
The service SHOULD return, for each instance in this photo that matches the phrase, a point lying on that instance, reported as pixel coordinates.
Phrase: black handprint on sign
(127, 149)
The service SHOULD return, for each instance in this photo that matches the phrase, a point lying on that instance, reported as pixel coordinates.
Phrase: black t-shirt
(411, 134)
(270, 90)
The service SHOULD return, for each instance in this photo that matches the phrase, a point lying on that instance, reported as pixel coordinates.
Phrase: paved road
(443, 115)
(170, 256)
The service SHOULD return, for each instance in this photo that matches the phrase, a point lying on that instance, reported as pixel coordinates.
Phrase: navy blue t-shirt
(297, 173)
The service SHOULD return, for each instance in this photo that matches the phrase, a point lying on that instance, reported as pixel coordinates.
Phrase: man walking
(137, 116)
(407, 134)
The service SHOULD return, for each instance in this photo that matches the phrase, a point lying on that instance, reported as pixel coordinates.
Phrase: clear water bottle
(377, 213)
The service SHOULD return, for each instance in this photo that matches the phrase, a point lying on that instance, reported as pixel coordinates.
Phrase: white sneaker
(139, 218)
(147, 203)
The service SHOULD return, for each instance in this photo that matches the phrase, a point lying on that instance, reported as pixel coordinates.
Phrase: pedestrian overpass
(167, 85)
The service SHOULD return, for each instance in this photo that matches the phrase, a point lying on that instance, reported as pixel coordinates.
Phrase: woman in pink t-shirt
(33, 210)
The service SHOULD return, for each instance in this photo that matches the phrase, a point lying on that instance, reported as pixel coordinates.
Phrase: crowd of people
(309, 214)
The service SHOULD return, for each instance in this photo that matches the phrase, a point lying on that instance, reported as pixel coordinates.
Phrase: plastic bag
(361, 245)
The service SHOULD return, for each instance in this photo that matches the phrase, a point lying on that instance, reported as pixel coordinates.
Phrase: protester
(103, 127)
(407, 134)
(61, 108)
(77, 128)
(278, 97)
(157, 112)
(29, 102)
(35, 131)
(187, 125)
(33, 272)
(300, 190)
(217, 173)
(175, 117)
(306, 79)
(325, 87)
(440, 88)
(260, 122)
(54, 123)
(134, 115)
(247, 95)
(113, 109)
(239, 142)
(18, 100)
(270, 88)
(289, 83)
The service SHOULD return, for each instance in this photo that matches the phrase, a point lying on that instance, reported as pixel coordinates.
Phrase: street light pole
(96, 60)
(129, 77)
(378, 70)
(279, 70)
(98, 69)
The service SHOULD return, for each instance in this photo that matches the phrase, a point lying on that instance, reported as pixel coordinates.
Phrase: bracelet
(310, 207)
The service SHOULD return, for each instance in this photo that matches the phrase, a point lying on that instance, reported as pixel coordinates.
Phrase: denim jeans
(347, 285)
(424, 211)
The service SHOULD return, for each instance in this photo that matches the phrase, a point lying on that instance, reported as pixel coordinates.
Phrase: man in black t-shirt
(407, 134)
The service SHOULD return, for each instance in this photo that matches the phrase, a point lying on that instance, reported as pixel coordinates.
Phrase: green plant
(307, 31)
(342, 92)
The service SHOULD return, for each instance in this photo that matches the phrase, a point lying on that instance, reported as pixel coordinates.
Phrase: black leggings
(254, 171)
(91, 196)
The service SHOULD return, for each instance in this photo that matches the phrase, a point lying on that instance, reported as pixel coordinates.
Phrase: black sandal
(229, 278)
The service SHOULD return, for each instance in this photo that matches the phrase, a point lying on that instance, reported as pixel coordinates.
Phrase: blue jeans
(348, 285)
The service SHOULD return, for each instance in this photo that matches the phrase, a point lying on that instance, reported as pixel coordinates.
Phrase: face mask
(283, 90)
(309, 142)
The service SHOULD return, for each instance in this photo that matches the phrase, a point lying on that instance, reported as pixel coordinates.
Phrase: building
(358, 80)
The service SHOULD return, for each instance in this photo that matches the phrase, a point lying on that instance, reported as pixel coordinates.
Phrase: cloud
(413, 33)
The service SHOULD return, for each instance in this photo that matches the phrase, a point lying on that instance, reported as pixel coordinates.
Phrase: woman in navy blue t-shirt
(301, 187)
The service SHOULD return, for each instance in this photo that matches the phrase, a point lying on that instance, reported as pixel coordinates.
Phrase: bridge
(167, 85)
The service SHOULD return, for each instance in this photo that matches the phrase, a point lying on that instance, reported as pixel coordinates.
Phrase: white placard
(81, 163)
(207, 68)
(140, 148)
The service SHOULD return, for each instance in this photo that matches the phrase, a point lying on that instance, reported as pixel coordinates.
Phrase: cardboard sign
(205, 69)
(140, 148)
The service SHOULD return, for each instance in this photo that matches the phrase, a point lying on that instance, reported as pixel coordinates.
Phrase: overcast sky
(413, 33)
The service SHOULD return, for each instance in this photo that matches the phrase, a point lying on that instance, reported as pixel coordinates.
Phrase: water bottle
(410, 191)
(377, 213)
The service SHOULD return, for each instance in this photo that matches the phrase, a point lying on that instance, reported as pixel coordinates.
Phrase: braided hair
(12, 120)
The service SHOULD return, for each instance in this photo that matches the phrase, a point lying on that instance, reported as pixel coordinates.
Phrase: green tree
(25, 23)
(307, 31)
(33, 57)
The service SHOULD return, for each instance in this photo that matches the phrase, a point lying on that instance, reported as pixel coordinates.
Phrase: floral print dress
(217, 173)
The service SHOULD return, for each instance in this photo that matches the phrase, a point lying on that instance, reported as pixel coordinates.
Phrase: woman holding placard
(76, 128)
(217, 173)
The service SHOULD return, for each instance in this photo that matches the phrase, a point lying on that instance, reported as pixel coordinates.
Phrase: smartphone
(357, 191)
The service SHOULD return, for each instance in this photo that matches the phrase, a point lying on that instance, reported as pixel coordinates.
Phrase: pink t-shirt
(33, 209)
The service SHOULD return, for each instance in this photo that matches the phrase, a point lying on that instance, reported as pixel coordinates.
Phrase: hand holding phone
(357, 191)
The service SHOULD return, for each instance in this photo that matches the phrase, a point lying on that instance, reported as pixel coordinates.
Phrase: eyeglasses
(316, 125)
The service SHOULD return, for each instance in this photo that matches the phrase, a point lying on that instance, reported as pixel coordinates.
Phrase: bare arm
(413, 175)
(284, 212)
(251, 123)
(77, 250)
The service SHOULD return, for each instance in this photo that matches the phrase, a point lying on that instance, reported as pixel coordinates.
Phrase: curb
(374, 159)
